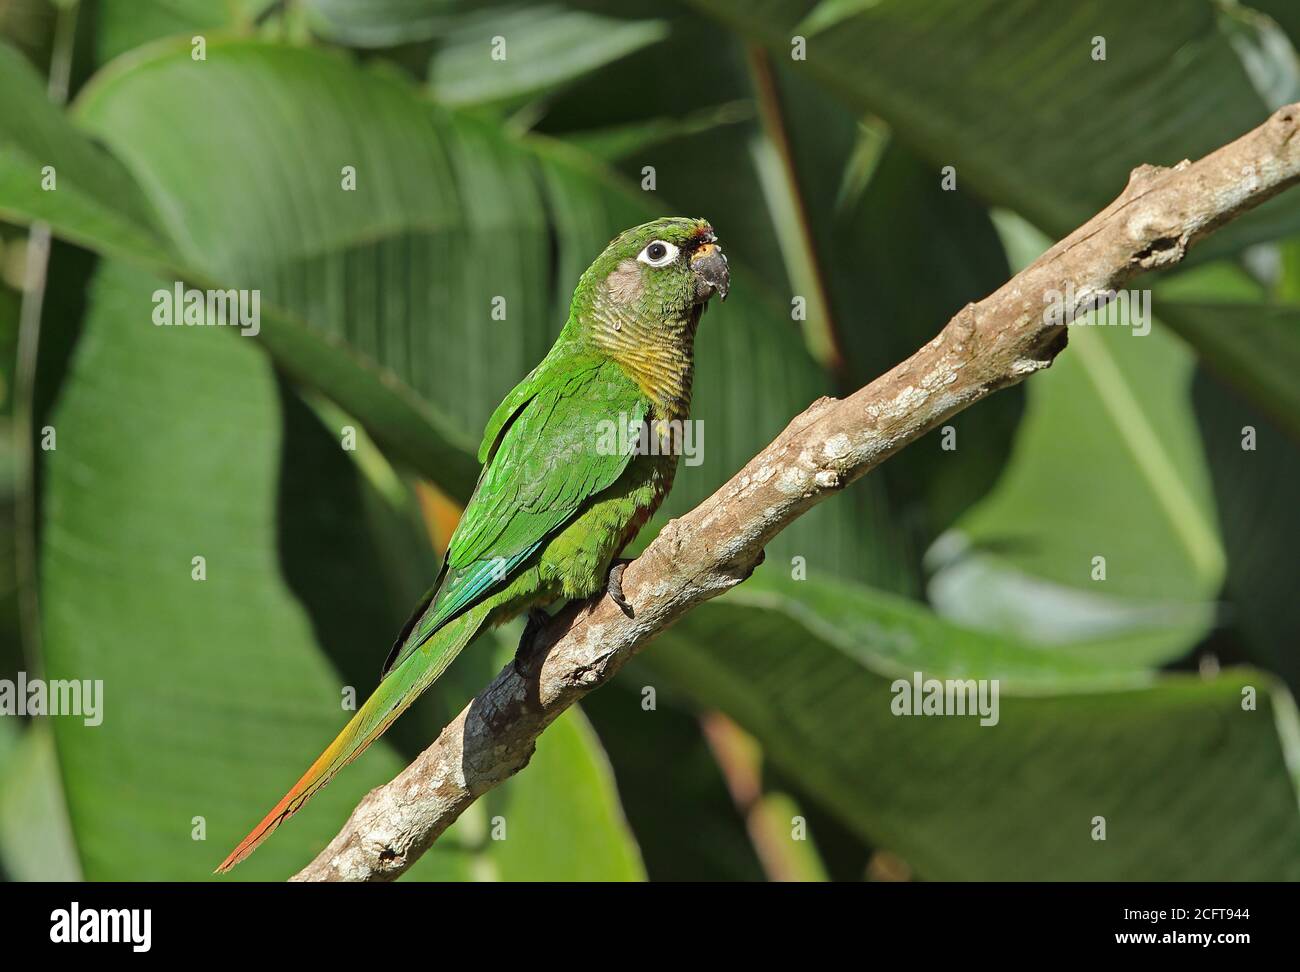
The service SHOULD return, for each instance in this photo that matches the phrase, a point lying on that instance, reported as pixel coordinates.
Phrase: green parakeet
(557, 499)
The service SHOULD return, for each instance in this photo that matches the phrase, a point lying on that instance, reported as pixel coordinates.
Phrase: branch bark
(991, 344)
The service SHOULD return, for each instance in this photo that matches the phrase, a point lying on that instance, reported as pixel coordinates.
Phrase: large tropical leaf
(1255, 464)
(85, 193)
(809, 667)
(98, 205)
(1107, 464)
(404, 270)
(505, 56)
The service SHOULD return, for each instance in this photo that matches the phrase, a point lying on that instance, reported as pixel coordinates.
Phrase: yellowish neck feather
(657, 353)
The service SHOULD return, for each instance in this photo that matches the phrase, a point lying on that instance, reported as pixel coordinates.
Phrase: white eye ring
(658, 259)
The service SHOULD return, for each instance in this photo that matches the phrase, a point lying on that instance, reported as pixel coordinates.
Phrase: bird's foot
(537, 619)
(614, 587)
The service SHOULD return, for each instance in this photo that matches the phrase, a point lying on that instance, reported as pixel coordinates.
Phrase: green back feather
(546, 459)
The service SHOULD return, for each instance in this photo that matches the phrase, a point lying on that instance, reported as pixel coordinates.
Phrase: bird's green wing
(546, 456)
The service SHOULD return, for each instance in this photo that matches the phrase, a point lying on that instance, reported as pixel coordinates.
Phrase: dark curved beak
(711, 273)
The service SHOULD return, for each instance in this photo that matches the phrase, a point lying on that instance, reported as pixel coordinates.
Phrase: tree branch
(989, 345)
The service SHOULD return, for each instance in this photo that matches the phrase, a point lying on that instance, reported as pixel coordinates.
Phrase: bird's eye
(658, 254)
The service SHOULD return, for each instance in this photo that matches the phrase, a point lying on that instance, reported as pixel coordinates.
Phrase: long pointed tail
(402, 686)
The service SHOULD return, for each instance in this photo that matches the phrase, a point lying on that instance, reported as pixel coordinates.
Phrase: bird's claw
(614, 587)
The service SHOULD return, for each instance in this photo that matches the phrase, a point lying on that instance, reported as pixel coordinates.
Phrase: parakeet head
(667, 268)
(641, 300)
(675, 258)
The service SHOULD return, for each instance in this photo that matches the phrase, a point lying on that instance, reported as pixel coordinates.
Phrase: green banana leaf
(1191, 783)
